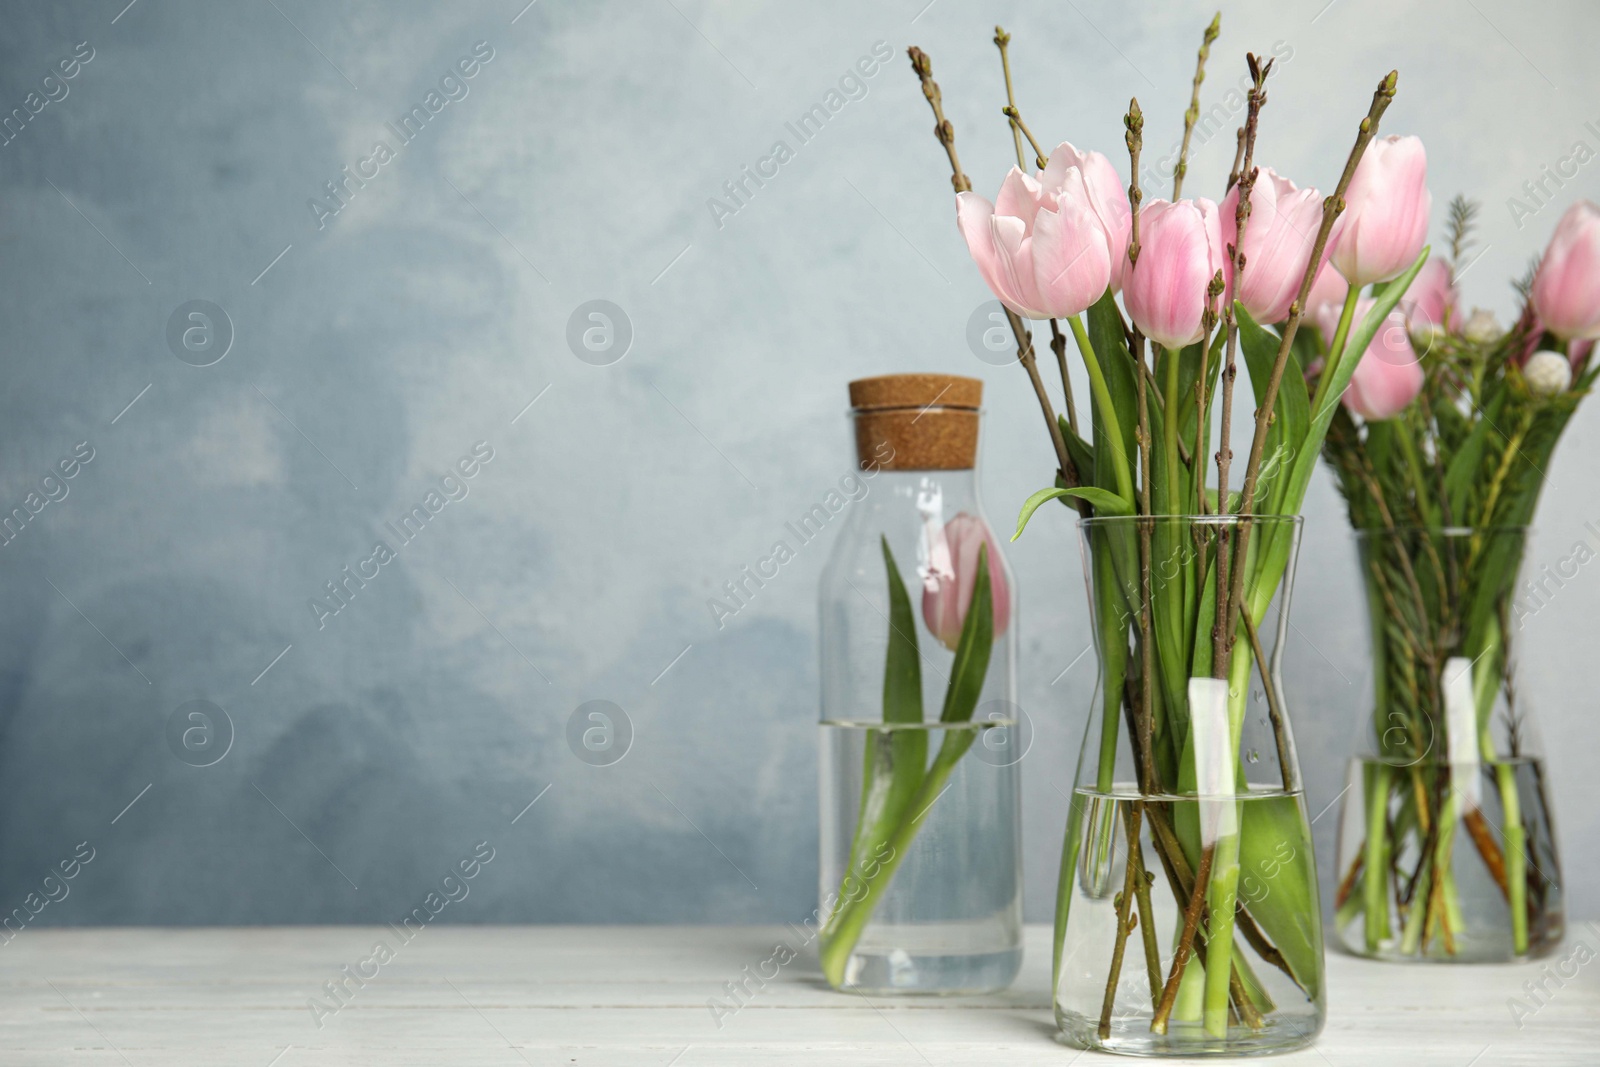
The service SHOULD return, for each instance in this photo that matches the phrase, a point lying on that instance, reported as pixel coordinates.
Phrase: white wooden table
(637, 996)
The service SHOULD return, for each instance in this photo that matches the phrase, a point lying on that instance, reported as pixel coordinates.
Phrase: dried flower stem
(1191, 116)
(1331, 207)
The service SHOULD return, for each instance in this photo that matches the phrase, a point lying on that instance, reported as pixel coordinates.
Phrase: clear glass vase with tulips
(1447, 845)
(1188, 919)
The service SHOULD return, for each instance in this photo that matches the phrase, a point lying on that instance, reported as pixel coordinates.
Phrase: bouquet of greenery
(1183, 568)
(1440, 451)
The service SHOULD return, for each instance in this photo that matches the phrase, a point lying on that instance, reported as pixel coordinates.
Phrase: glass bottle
(921, 886)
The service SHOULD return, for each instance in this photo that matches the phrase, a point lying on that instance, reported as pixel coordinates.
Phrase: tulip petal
(1071, 255)
(973, 217)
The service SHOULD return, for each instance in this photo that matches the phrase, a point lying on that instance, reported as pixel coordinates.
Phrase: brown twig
(1147, 918)
(1001, 40)
(1280, 729)
(1238, 159)
(1202, 411)
(1247, 927)
(1124, 906)
(1222, 632)
(1019, 129)
(1478, 829)
(1133, 122)
(1030, 363)
(1352, 876)
(1015, 116)
(946, 133)
(942, 128)
(1058, 345)
(1181, 168)
(1331, 207)
(1191, 919)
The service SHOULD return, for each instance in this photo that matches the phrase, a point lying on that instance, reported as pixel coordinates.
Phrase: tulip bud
(949, 575)
(1566, 289)
(1385, 220)
(1389, 375)
(1547, 373)
(1180, 251)
(1278, 239)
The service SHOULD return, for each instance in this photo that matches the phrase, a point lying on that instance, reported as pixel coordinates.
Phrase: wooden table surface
(639, 996)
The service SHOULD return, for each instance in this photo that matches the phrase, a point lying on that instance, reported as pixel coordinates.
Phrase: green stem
(1222, 892)
(1108, 411)
(1490, 677)
(1171, 430)
(844, 929)
(1419, 481)
(1411, 936)
(1516, 855)
(1444, 849)
(1336, 349)
(1375, 870)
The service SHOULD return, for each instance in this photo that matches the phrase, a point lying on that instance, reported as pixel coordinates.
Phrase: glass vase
(921, 886)
(1447, 848)
(1187, 918)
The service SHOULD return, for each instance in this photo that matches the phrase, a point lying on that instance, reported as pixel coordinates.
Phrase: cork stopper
(908, 422)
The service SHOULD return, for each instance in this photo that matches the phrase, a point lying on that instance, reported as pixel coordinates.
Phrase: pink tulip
(950, 573)
(1043, 250)
(1106, 194)
(1432, 302)
(1385, 220)
(1180, 250)
(1329, 290)
(1566, 290)
(1389, 376)
(1278, 238)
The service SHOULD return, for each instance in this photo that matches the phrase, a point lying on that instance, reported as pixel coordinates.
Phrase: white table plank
(611, 996)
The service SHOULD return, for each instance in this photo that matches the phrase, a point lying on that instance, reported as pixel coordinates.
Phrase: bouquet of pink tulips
(1183, 567)
(1440, 453)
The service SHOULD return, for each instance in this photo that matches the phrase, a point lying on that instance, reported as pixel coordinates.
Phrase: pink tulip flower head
(1107, 196)
(1180, 251)
(1385, 220)
(1389, 376)
(1566, 289)
(1329, 290)
(1432, 303)
(1042, 249)
(952, 570)
(1278, 238)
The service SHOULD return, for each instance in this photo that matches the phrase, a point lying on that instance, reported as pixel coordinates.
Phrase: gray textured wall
(387, 339)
